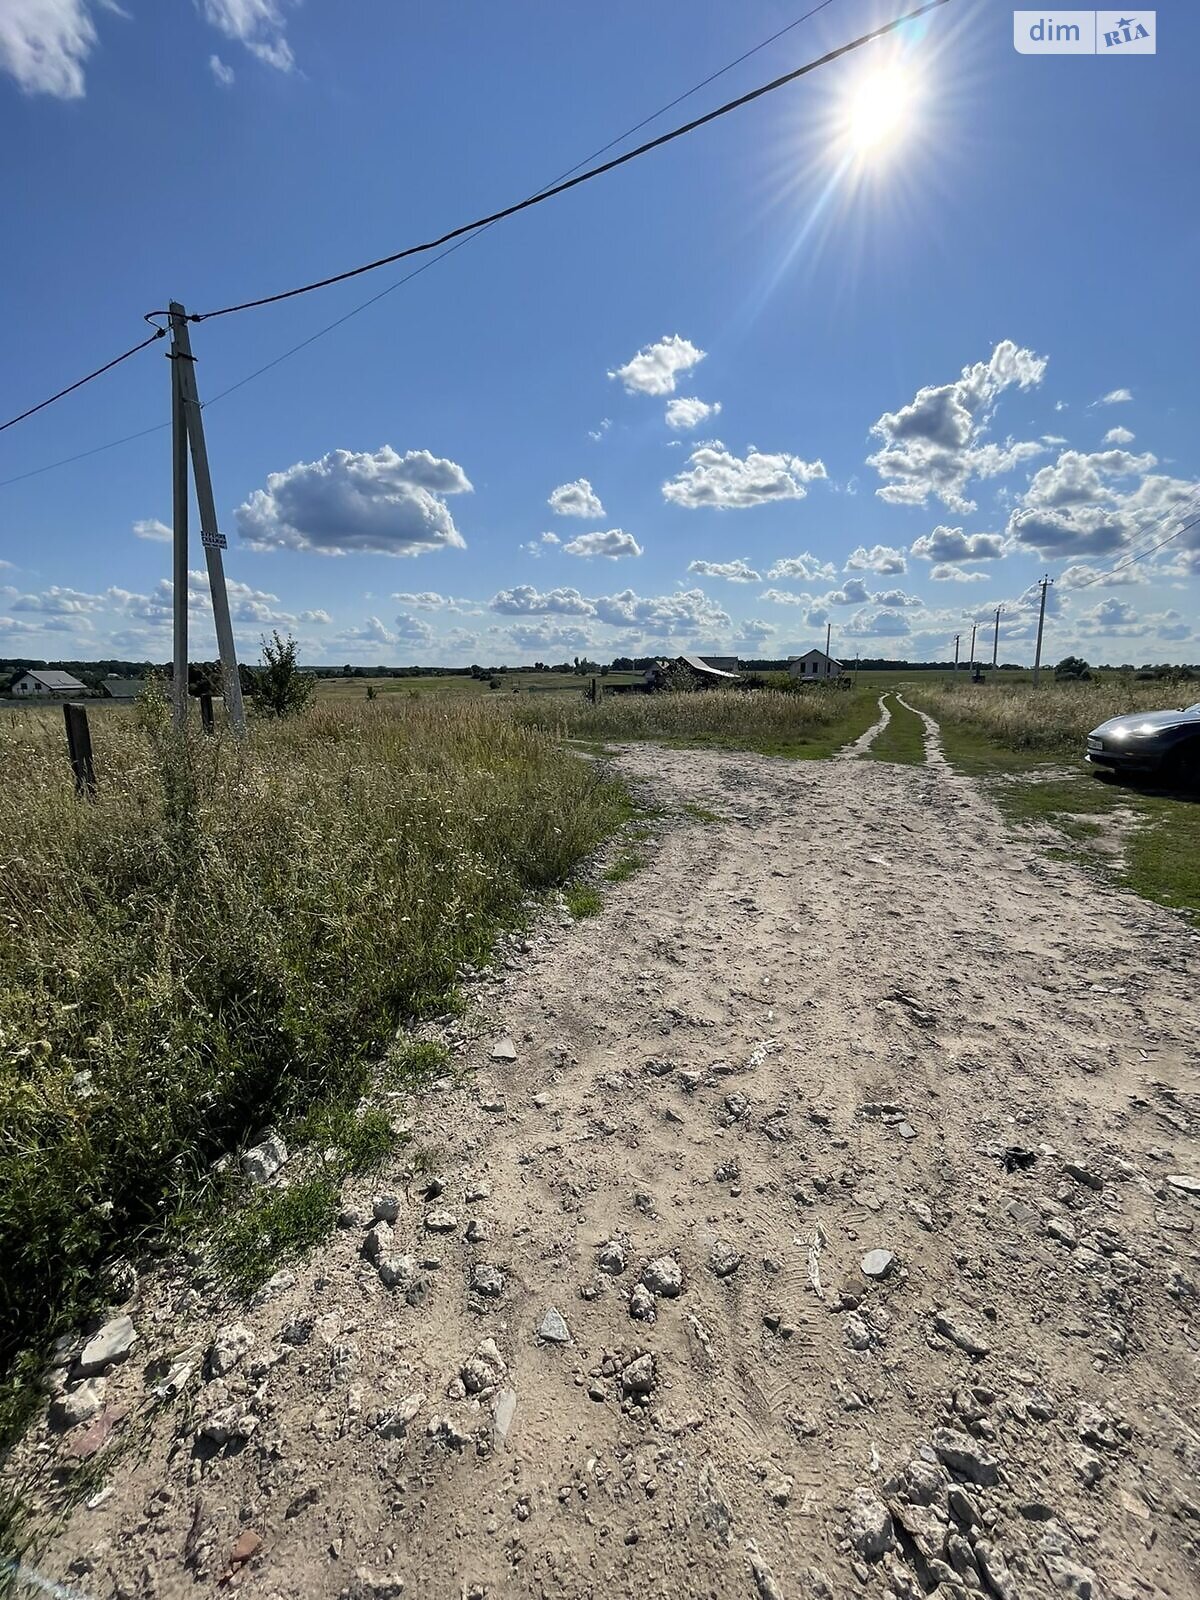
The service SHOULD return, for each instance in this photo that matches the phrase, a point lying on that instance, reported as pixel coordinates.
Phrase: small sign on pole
(79, 747)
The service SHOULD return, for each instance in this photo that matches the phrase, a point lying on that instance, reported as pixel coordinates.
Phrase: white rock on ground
(263, 1161)
(106, 1348)
(229, 1345)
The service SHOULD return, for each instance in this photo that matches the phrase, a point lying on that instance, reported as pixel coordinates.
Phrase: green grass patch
(903, 740)
(699, 813)
(1159, 853)
(582, 900)
(280, 1226)
(801, 724)
(624, 867)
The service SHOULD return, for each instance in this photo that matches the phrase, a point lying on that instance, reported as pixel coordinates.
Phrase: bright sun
(878, 110)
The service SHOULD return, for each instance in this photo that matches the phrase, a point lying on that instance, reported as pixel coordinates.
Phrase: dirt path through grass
(631, 1336)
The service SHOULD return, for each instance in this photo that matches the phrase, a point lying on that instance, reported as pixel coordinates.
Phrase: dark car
(1166, 743)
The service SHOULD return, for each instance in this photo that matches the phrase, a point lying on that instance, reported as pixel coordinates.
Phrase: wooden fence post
(79, 747)
(206, 713)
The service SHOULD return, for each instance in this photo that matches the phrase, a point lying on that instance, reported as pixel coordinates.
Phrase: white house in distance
(47, 684)
(814, 665)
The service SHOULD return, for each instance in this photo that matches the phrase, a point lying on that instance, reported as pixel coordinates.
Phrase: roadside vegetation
(806, 724)
(1030, 743)
(903, 740)
(227, 940)
(1056, 718)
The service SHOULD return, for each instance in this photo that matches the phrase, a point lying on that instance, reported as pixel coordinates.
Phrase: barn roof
(698, 664)
(52, 679)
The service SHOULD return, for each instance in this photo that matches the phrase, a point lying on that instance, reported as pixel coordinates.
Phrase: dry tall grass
(757, 716)
(227, 937)
(1055, 717)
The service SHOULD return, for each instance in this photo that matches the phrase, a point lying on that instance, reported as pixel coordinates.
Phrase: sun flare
(878, 111)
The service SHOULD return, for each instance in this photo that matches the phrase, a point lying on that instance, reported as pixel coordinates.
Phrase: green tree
(1072, 667)
(280, 688)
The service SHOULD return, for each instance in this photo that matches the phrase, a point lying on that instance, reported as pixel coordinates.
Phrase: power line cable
(580, 178)
(116, 361)
(463, 234)
(458, 245)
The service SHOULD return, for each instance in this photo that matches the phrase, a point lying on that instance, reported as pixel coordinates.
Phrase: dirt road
(852, 1015)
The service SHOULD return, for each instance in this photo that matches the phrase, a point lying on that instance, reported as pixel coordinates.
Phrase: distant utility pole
(828, 636)
(996, 638)
(974, 625)
(1037, 656)
(188, 429)
(957, 637)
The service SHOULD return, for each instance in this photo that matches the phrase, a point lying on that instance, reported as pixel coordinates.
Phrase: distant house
(47, 685)
(717, 669)
(122, 688)
(815, 666)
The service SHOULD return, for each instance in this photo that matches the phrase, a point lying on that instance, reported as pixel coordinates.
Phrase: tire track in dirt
(863, 743)
(852, 1006)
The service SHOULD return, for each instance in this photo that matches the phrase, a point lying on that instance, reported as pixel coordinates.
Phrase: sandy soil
(851, 1015)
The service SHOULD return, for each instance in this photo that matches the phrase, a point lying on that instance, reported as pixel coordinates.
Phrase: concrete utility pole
(179, 565)
(1037, 656)
(974, 625)
(828, 636)
(996, 638)
(183, 368)
(957, 637)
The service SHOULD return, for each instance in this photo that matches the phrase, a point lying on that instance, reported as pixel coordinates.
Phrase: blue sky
(933, 370)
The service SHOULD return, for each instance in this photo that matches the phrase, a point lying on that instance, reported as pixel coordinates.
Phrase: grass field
(806, 726)
(228, 938)
(1028, 747)
(903, 739)
(343, 690)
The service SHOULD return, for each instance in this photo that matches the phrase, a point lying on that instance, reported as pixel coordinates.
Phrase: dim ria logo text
(1084, 33)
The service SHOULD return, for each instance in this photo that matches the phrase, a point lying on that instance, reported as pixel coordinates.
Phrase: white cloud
(685, 611)
(220, 71)
(539, 546)
(526, 601)
(852, 593)
(57, 601)
(881, 624)
(598, 433)
(952, 544)
(656, 366)
(896, 597)
(545, 637)
(152, 528)
(733, 571)
(351, 502)
(945, 573)
(1082, 505)
(257, 24)
(1116, 436)
(934, 445)
(613, 545)
(806, 567)
(576, 499)
(786, 597)
(1082, 576)
(317, 618)
(881, 558)
(715, 477)
(686, 413)
(430, 600)
(1115, 397)
(45, 43)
